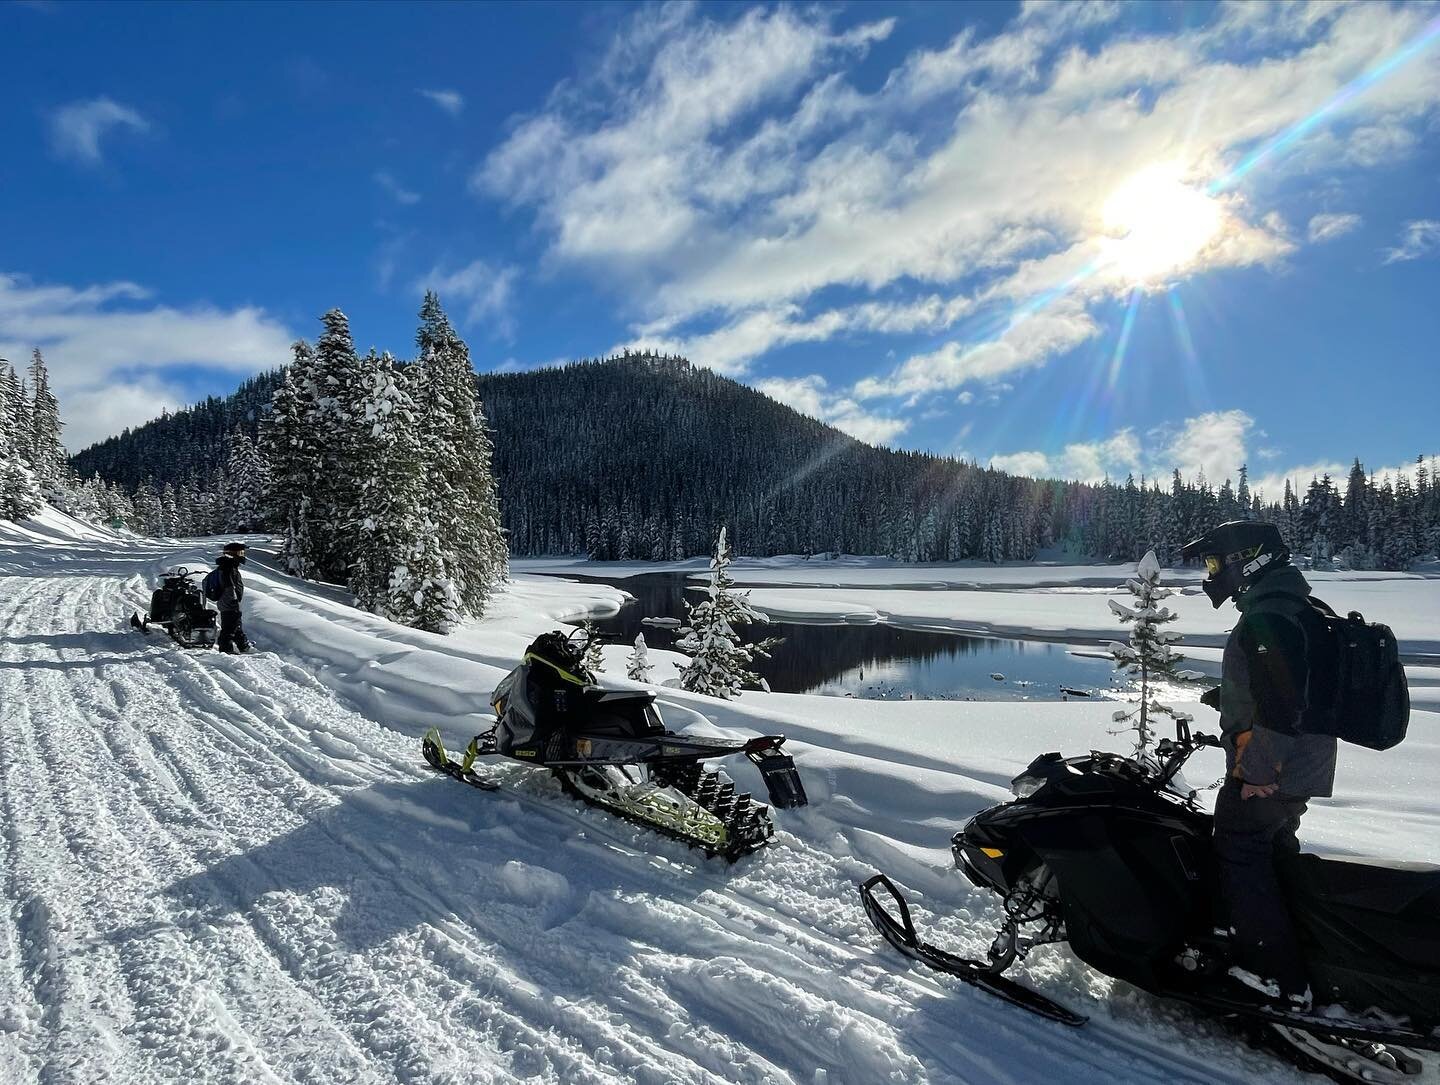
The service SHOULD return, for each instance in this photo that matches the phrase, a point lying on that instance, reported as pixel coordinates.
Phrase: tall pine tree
(464, 503)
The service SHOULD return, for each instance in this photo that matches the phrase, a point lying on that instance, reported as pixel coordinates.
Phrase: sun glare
(1157, 225)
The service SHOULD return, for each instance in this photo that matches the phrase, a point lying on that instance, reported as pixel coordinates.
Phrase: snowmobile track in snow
(216, 870)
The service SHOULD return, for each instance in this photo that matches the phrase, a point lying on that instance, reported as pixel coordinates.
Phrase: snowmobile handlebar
(1174, 753)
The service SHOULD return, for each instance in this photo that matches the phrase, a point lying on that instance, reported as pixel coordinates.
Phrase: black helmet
(1236, 555)
(234, 549)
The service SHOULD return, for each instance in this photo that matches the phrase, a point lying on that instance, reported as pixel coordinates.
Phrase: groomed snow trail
(215, 870)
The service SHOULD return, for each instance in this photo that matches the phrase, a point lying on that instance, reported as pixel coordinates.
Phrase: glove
(1211, 698)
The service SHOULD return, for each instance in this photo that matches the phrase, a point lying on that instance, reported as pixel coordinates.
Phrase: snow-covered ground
(239, 869)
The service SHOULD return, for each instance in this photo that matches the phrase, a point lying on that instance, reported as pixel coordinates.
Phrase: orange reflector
(993, 853)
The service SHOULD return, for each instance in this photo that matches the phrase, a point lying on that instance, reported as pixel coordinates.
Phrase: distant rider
(1272, 766)
(232, 630)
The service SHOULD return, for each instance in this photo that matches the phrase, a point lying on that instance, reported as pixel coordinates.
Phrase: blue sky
(1070, 239)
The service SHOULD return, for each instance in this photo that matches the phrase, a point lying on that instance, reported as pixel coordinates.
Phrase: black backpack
(1357, 684)
(213, 585)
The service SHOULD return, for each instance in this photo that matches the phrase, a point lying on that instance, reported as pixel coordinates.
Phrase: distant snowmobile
(1113, 857)
(177, 605)
(611, 749)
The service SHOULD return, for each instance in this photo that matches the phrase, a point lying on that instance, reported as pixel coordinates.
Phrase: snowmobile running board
(987, 977)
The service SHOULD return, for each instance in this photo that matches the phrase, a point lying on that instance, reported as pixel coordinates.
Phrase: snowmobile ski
(987, 976)
(433, 749)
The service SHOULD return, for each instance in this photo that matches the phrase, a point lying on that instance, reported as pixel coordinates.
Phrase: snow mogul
(1335, 963)
(611, 749)
(177, 605)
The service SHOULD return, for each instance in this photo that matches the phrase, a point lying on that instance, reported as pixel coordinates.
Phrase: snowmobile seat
(1389, 886)
(621, 697)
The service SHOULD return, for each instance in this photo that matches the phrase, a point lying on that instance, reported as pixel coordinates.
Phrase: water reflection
(876, 661)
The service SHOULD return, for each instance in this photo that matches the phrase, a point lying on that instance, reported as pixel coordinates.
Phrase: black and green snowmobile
(177, 605)
(611, 749)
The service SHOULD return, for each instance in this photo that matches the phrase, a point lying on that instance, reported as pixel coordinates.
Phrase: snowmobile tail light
(993, 853)
(1025, 785)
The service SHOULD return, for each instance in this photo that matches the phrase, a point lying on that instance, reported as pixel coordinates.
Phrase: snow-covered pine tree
(391, 502)
(169, 513)
(594, 661)
(19, 493)
(147, 509)
(47, 455)
(1149, 655)
(291, 457)
(464, 500)
(333, 388)
(421, 594)
(719, 663)
(247, 483)
(638, 666)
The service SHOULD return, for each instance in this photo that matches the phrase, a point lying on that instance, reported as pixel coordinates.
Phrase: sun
(1157, 225)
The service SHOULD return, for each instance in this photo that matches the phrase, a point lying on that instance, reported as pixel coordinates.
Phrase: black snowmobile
(611, 749)
(1113, 856)
(177, 605)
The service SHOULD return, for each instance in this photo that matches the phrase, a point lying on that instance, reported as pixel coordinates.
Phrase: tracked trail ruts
(215, 870)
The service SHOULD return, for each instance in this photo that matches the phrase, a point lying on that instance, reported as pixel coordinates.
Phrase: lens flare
(1158, 225)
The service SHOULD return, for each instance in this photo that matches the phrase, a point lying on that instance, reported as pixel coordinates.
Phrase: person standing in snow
(232, 590)
(1273, 767)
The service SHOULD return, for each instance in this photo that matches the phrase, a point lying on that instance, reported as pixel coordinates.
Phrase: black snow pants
(1250, 835)
(232, 632)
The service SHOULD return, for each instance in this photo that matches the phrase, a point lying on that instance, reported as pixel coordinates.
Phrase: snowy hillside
(239, 869)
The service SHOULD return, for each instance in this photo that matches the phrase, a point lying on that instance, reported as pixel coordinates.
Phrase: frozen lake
(876, 661)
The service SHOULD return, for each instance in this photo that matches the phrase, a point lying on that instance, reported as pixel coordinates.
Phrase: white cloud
(721, 173)
(92, 414)
(1215, 444)
(1419, 238)
(451, 101)
(1084, 461)
(111, 350)
(487, 291)
(1027, 341)
(398, 192)
(1327, 227)
(1272, 485)
(1212, 443)
(811, 395)
(732, 347)
(77, 129)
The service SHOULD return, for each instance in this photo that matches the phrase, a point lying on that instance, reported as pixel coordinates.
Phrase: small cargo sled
(177, 605)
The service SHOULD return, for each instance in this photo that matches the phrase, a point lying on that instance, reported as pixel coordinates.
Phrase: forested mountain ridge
(644, 456)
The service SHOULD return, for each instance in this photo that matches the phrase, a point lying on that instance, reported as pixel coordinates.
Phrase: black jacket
(1264, 691)
(232, 584)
